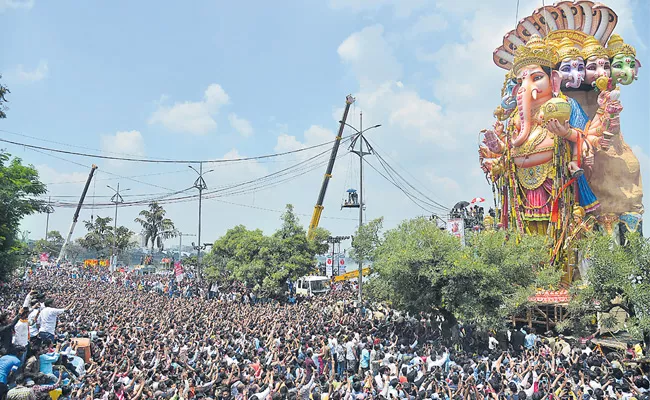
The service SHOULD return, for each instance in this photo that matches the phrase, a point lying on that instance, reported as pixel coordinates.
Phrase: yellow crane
(351, 275)
(318, 208)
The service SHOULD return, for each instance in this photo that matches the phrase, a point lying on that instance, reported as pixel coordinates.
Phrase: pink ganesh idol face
(595, 68)
(534, 88)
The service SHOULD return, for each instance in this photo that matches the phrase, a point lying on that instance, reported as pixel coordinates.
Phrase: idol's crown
(535, 52)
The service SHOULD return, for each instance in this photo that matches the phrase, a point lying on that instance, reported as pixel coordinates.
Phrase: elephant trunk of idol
(525, 99)
(574, 79)
(626, 76)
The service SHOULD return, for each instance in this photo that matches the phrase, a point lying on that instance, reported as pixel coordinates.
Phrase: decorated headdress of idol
(535, 52)
(625, 66)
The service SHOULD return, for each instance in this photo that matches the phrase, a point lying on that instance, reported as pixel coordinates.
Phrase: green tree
(19, 185)
(618, 276)
(237, 252)
(74, 250)
(155, 227)
(99, 237)
(421, 268)
(52, 245)
(123, 240)
(267, 261)
(291, 253)
(247, 255)
(3, 92)
(366, 240)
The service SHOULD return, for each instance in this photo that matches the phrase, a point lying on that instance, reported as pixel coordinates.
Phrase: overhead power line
(423, 186)
(76, 146)
(164, 161)
(392, 182)
(250, 186)
(424, 198)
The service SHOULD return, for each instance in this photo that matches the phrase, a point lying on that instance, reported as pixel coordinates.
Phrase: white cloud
(15, 4)
(129, 143)
(401, 8)
(446, 183)
(37, 74)
(313, 136)
(195, 117)
(49, 175)
(287, 143)
(402, 109)
(386, 99)
(370, 56)
(428, 23)
(227, 174)
(435, 137)
(241, 125)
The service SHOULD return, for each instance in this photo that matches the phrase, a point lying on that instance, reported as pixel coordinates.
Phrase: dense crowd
(222, 343)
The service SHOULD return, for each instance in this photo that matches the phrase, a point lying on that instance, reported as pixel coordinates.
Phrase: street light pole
(117, 200)
(49, 210)
(359, 137)
(180, 243)
(200, 184)
(360, 153)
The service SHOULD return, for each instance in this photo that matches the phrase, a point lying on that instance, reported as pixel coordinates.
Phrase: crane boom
(76, 214)
(318, 209)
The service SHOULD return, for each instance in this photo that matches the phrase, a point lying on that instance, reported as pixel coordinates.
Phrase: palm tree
(99, 235)
(155, 227)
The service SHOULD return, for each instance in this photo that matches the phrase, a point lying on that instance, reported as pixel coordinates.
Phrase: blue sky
(216, 79)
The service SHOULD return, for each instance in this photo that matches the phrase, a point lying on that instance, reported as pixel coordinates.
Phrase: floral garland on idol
(555, 156)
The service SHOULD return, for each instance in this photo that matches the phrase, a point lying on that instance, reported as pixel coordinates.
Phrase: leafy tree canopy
(266, 261)
(155, 227)
(366, 240)
(52, 245)
(3, 100)
(98, 238)
(19, 184)
(421, 268)
(617, 276)
(101, 235)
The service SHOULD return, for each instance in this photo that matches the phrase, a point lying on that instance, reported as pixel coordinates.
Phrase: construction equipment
(351, 275)
(318, 209)
(76, 214)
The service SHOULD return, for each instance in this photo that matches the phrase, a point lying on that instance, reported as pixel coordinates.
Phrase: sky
(215, 80)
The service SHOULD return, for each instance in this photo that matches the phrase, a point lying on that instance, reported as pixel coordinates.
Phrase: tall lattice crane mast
(318, 209)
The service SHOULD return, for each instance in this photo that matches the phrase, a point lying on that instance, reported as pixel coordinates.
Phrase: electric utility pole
(359, 138)
(200, 184)
(117, 199)
(49, 210)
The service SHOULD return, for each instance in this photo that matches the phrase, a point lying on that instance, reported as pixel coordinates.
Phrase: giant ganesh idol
(556, 150)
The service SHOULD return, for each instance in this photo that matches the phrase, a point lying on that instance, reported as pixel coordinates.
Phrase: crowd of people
(147, 344)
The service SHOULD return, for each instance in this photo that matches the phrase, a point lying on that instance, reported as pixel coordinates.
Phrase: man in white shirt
(21, 329)
(47, 321)
(351, 355)
(493, 343)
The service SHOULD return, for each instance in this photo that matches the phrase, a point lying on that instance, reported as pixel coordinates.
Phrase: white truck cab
(311, 285)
